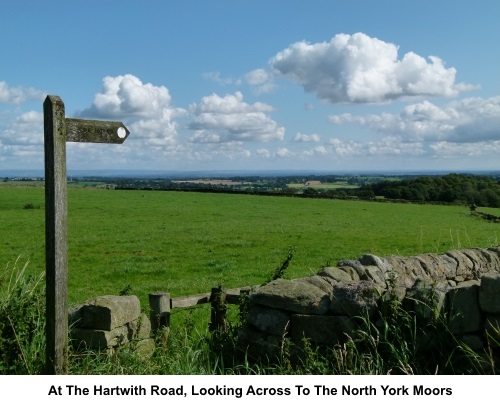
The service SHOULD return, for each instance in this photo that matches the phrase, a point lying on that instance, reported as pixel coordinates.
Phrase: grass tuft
(22, 321)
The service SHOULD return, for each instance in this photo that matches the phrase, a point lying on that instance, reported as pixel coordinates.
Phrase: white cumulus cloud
(19, 95)
(261, 80)
(229, 118)
(145, 108)
(257, 76)
(453, 150)
(127, 96)
(306, 138)
(467, 120)
(26, 129)
(217, 78)
(22, 139)
(284, 153)
(387, 146)
(361, 69)
(263, 152)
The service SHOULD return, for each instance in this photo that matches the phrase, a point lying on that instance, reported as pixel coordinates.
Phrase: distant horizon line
(232, 172)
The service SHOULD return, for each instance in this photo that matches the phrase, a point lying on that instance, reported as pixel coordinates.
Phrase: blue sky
(257, 85)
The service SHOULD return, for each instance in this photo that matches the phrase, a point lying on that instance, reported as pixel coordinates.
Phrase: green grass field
(186, 243)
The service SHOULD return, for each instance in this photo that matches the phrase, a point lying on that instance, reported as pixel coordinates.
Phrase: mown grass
(186, 243)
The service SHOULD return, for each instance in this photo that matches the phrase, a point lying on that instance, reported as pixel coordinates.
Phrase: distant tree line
(483, 191)
(453, 188)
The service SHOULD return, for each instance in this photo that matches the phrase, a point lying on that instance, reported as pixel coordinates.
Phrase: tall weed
(22, 322)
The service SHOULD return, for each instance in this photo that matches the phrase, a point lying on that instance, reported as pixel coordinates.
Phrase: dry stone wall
(464, 285)
(106, 322)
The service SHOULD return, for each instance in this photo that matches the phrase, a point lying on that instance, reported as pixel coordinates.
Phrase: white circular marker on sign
(121, 132)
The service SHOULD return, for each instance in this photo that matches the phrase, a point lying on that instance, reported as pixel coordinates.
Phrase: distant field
(186, 243)
(221, 182)
(488, 210)
(322, 185)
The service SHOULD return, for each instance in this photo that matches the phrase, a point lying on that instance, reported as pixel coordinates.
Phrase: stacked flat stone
(107, 322)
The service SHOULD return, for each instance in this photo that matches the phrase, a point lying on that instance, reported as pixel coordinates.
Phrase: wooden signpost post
(57, 131)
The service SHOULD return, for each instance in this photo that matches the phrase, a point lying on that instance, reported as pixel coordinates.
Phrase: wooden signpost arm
(95, 131)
